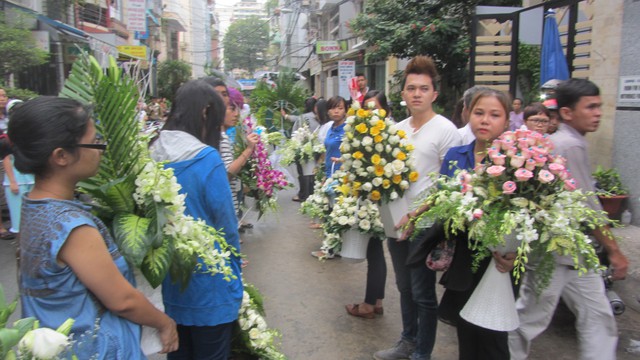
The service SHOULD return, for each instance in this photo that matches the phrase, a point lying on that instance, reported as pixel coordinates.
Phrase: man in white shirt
(432, 135)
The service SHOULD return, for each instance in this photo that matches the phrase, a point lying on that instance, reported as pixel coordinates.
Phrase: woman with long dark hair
(205, 308)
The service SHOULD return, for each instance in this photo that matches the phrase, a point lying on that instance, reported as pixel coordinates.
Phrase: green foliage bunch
(22, 94)
(438, 28)
(245, 44)
(171, 75)
(267, 97)
(608, 182)
(18, 48)
(529, 72)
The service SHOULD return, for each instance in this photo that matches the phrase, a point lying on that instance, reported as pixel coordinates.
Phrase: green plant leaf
(24, 325)
(8, 339)
(155, 265)
(130, 233)
(118, 194)
(182, 266)
(159, 219)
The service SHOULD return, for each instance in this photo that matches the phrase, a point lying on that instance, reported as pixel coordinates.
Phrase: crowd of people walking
(55, 146)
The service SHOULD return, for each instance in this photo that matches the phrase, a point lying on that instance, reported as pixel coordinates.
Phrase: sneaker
(321, 254)
(402, 350)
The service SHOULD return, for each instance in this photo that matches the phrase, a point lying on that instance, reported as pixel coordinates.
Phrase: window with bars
(94, 14)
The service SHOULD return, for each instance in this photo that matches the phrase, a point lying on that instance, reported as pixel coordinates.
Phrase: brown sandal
(354, 310)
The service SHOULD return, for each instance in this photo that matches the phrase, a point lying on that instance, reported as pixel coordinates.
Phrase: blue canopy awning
(63, 28)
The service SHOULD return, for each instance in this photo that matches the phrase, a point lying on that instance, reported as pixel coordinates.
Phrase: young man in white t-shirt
(432, 135)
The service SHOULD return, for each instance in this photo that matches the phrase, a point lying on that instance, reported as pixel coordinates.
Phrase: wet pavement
(305, 298)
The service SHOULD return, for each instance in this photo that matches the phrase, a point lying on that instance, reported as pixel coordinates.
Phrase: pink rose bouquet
(521, 190)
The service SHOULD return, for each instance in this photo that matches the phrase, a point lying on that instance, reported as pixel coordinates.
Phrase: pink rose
(464, 176)
(493, 150)
(559, 160)
(508, 135)
(479, 169)
(498, 158)
(530, 164)
(509, 187)
(495, 170)
(527, 153)
(517, 161)
(521, 133)
(564, 175)
(523, 143)
(507, 144)
(523, 174)
(556, 168)
(540, 159)
(511, 151)
(477, 213)
(545, 177)
(570, 184)
(539, 149)
(466, 188)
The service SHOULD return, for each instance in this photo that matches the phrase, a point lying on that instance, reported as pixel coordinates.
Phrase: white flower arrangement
(190, 236)
(317, 205)
(303, 146)
(524, 190)
(376, 156)
(350, 212)
(253, 334)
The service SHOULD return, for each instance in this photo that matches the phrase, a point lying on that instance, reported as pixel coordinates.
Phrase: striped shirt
(226, 152)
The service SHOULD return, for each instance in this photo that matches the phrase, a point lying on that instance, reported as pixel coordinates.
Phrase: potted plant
(610, 191)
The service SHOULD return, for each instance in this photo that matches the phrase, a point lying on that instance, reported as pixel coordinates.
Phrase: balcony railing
(94, 14)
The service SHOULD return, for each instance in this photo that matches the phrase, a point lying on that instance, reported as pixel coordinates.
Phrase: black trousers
(306, 183)
(376, 271)
(477, 343)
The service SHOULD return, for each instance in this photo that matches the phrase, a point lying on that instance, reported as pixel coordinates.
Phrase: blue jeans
(203, 342)
(418, 300)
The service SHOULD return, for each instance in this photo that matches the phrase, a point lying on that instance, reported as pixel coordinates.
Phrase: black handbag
(426, 241)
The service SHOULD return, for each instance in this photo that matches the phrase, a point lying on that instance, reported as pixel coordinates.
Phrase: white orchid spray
(252, 335)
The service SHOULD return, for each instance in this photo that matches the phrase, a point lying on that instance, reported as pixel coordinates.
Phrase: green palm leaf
(130, 233)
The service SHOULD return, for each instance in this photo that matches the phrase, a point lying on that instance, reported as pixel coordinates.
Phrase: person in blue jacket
(207, 307)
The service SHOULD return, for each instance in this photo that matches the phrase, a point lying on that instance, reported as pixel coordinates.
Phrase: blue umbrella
(553, 64)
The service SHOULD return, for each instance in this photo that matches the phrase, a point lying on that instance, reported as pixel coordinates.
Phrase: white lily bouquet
(304, 146)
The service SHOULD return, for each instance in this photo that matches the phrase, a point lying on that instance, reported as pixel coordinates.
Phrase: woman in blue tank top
(70, 266)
